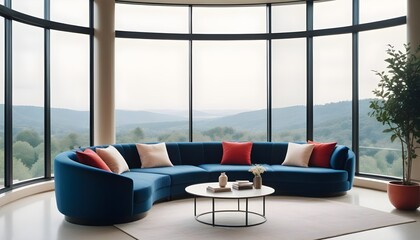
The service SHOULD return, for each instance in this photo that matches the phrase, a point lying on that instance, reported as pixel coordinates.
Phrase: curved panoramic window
(265, 72)
(249, 82)
(45, 85)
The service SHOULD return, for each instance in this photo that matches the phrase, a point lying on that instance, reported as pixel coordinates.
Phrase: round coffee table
(200, 190)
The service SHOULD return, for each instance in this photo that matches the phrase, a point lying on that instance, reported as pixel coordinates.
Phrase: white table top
(201, 191)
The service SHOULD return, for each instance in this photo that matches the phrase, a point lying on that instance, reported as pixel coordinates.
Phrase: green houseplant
(397, 107)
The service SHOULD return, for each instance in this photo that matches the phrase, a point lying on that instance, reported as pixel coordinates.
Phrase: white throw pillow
(298, 154)
(113, 158)
(153, 155)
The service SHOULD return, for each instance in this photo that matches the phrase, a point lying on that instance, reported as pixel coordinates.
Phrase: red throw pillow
(321, 154)
(236, 153)
(91, 158)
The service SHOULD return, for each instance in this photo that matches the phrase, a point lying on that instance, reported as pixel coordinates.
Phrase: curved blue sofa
(91, 196)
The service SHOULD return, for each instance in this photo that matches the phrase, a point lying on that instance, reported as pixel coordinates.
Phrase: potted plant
(397, 107)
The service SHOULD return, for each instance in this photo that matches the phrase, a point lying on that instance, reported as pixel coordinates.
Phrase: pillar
(104, 80)
(413, 37)
(413, 22)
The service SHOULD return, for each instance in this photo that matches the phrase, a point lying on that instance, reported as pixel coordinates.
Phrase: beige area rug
(287, 218)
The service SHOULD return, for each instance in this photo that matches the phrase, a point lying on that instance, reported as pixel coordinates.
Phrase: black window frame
(47, 25)
(308, 34)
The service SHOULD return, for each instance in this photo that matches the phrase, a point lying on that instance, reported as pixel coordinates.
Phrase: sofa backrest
(196, 153)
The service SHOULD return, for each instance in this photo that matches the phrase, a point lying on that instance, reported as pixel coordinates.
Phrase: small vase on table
(257, 181)
(257, 170)
(223, 178)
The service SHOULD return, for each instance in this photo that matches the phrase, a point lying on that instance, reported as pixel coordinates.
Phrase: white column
(413, 22)
(104, 102)
(413, 36)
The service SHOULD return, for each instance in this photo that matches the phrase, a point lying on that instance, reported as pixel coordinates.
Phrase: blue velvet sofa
(91, 196)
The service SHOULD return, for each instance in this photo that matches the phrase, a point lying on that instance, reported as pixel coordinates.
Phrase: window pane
(149, 18)
(64, 11)
(377, 154)
(288, 18)
(2, 102)
(28, 101)
(333, 89)
(151, 90)
(289, 90)
(376, 10)
(69, 91)
(229, 90)
(31, 7)
(331, 14)
(229, 19)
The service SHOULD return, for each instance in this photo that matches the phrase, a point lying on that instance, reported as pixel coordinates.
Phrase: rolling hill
(64, 120)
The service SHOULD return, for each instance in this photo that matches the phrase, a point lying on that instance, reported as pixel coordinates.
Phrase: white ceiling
(216, 2)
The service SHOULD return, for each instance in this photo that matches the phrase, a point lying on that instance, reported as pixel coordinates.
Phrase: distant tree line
(376, 153)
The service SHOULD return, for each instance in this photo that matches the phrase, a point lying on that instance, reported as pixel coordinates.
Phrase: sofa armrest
(339, 157)
(343, 158)
(83, 191)
(350, 166)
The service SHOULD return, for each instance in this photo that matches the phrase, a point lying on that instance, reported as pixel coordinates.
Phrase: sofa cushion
(144, 184)
(113, 159)
(153, 155)
(280, 173)
(91, 158)
(179, 174)
(321, 154)
(236, 153)
(298, 154)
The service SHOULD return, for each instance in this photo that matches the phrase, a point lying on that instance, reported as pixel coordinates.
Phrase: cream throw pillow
(113, 158)
(298, 154)
(153, 155)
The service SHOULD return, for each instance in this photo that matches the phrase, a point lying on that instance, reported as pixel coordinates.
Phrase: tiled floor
(36, 217)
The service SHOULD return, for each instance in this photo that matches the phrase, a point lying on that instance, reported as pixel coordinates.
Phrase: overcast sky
(227, 75)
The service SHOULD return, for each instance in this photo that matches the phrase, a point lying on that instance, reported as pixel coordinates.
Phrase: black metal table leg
(239, 204)
(195, 207)
(264, 206)
(246, 212)
(213, 213)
